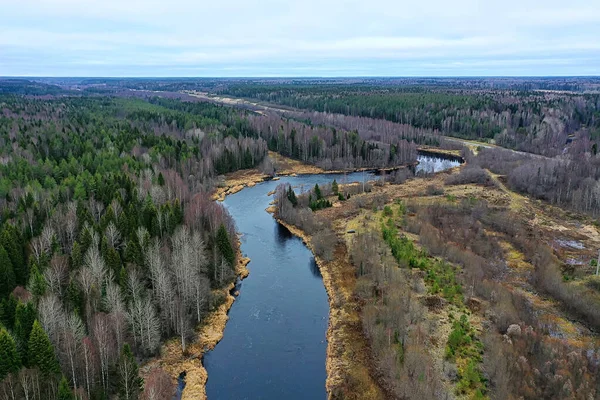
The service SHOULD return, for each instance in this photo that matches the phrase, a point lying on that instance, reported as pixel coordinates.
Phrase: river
(274, 343)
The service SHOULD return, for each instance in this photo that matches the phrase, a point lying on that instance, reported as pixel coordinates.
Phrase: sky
(323, 38)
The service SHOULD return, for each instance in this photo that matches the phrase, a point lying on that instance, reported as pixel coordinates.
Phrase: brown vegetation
(513, 276)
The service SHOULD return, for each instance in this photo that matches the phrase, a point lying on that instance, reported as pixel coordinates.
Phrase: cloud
(312, 37)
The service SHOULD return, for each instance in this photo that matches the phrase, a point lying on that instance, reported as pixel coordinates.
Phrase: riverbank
(348, 357)
(437, 152)
(236, 181)
(210, 331)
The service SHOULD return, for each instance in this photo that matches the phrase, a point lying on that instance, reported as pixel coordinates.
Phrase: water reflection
(282, 235)
(430, 165)
(314, 268)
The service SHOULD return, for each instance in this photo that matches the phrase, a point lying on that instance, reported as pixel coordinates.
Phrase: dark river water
(274, 343)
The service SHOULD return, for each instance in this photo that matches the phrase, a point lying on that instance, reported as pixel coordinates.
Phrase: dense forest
(109, 240)
(533, 121)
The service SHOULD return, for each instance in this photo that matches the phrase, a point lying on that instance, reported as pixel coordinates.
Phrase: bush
(470, 174)
(433, 190)
(387, 211)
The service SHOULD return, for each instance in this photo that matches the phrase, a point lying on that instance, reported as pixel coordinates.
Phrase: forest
(527, 120)
(475, 282)
(110, 242)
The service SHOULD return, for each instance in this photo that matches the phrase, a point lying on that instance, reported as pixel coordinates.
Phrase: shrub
(433, 190)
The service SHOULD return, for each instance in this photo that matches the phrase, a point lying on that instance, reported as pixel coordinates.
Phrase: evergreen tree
(318, 192)
(129, 382)
(334, 187)
(161, 179)
(37, 283)
(7, 274)
(12, 242)
(74, 299)
(9, 358)
(224, 245)
(148, 213)
(76, 256)
(292, 196)
(41, 352)
(8, 307)
(64, 390)
(133, 251)
(113, 260)
(25, 315)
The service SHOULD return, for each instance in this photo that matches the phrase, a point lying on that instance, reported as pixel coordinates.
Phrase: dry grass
(549, 223)
(173, 361)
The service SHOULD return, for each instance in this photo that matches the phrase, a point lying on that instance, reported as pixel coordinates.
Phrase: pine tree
(161, 179)
(129, 383)
(225, 245)
(9, 358)
(41, 351)
(7, 274)
(64, 390)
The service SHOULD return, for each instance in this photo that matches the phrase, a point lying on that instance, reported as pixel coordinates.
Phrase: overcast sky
(299, 38)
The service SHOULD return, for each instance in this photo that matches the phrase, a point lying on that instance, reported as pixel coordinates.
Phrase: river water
(274, 342)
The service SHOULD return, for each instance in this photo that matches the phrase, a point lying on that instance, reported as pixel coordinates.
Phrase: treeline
(537, 122)
(109, 242)
(331, 148)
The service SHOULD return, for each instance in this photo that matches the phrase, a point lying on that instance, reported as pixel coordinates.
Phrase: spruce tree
(64, 390)
(12, 242)
(334, 187)
(113, 260)
(292, 196)
(133, 251)
(41, 351)
(8, 307)
(224, 245)
(25, 315)
(318, 192)
(76, 256)
(129, 383)
(9, 358)
(37, 283)
(7, 274)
